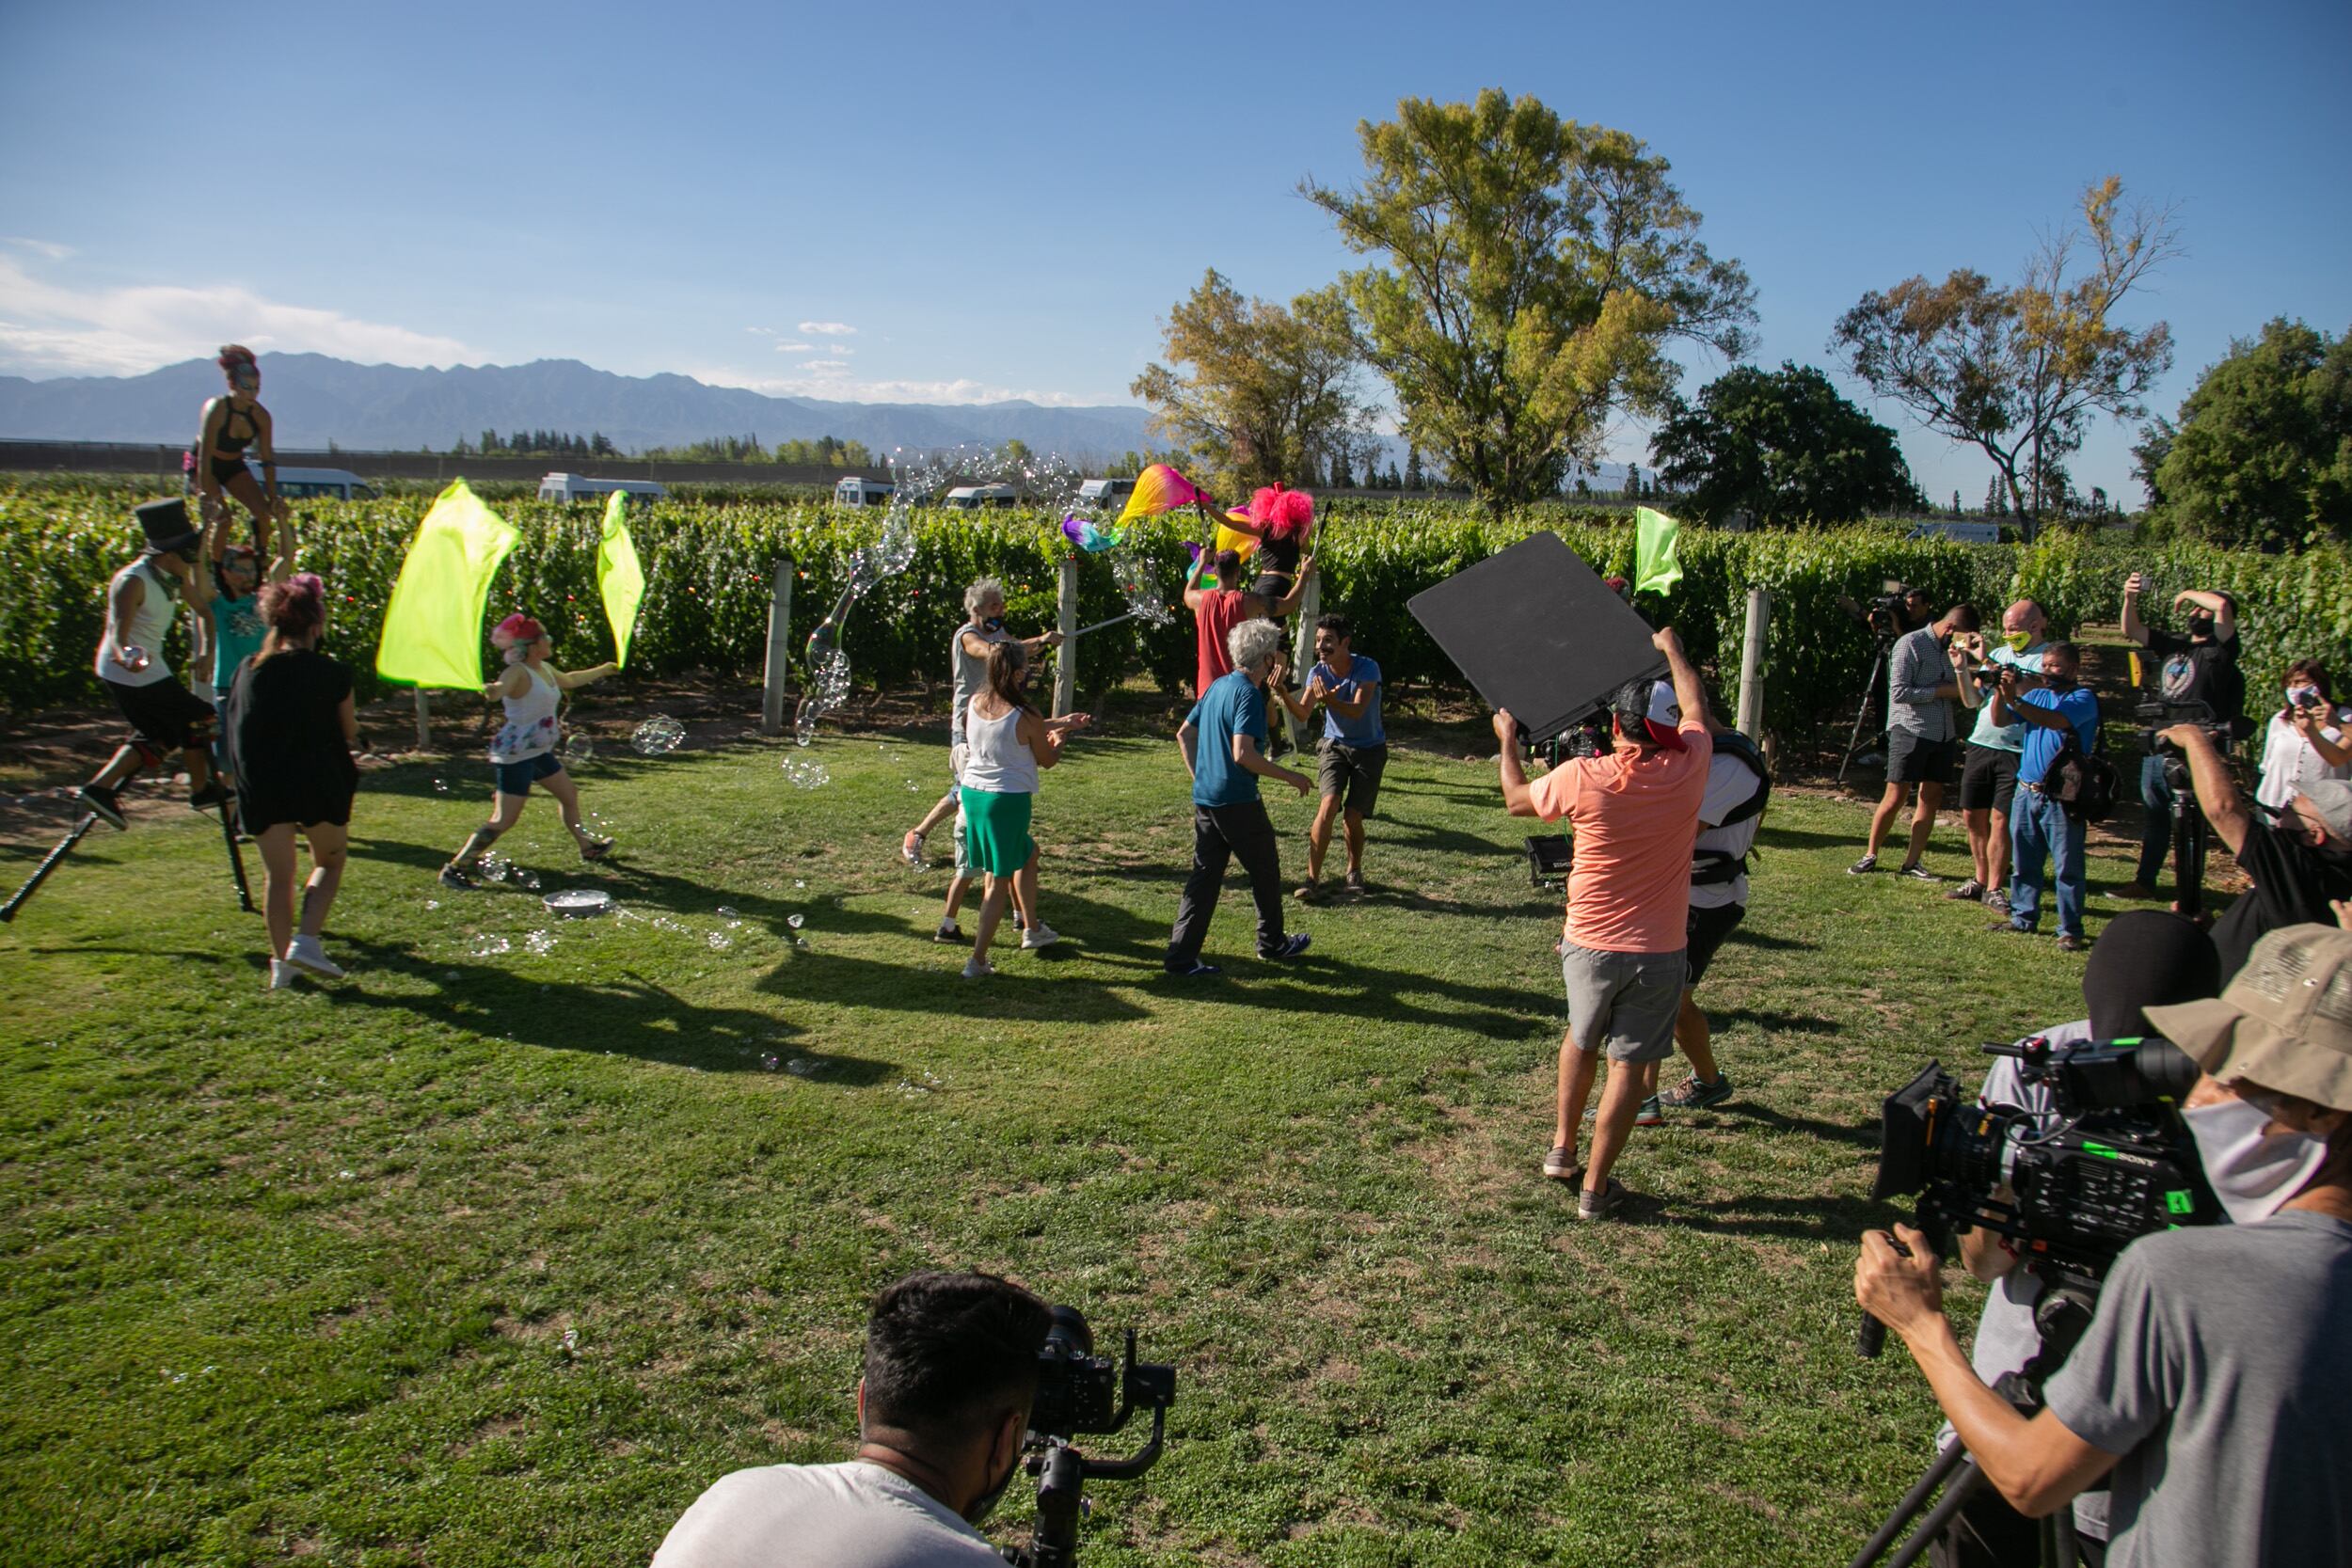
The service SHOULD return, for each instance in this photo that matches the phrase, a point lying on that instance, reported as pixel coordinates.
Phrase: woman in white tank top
(523, 750)
(1005, 743)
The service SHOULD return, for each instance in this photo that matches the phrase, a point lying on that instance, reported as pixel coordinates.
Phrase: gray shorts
(1623, 1003)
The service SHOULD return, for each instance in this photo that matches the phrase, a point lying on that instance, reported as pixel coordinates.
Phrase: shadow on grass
(1775, 1022)
(1809, 1218)
(631, 1017)
(1828, 1132)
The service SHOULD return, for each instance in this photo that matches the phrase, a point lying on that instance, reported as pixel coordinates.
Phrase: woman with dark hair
(292, 729)
(233, 422)
(1005, 742)
(2307, 740)
(523, 750)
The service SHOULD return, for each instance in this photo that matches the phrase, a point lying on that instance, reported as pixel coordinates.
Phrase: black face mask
(985, 1504)
(2201, 628)
(994, 623)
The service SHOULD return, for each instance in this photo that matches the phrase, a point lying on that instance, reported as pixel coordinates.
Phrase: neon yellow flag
(1655, 569)
(619, 578)
(433, 626)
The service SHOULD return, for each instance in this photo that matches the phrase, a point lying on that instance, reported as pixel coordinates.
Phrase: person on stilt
(164, 715)
(233, 422)
(523, 750)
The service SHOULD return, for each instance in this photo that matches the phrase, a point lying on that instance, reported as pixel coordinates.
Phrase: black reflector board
(1537, 631)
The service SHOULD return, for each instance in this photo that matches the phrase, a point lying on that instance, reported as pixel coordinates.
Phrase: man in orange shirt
(1636, 817)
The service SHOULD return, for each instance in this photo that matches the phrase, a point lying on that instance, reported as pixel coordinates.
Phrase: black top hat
(166, 526)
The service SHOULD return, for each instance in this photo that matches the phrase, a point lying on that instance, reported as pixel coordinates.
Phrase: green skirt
(996, 830)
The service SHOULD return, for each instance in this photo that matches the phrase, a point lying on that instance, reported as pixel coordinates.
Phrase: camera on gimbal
(2113, 1162)
(2157, 717)
(1078, 1391)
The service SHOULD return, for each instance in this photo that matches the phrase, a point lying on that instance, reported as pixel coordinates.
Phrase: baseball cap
(2333, 797)
(1656, 710)
(2285, 1023)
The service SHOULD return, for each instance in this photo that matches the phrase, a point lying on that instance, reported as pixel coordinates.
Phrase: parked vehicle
(863, 492)
(971, 498)
(1106, 492)
(300, 483)
(572, 487)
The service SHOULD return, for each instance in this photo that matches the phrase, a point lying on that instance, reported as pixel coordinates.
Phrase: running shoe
(306, 952)
(282, 975)
(1971, 889)
(104, 802)
(1918, 873)
(1865, 865)
(950, 931)
(1600, 1205)
(213, 794)
(1198, 971)
(455, 876)
(978, 968)
(1649, 1115)
(1291, 946)
(595, 848)
(1040, 936)
(1692, 1094)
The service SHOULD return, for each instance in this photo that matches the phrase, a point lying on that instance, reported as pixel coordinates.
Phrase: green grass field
(292, 1275)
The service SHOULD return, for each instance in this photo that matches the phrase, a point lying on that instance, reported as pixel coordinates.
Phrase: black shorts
(1707, 930)
(1273, 587)
(165, 712)
(224, 470)
(1988, 779)
(1910, 759)
(1351, 773)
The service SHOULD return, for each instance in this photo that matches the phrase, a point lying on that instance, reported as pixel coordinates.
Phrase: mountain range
(316, 400)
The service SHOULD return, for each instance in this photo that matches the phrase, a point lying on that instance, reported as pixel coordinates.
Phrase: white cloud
(49, 250)
(825, 366)
(796, 348)
(761, 331)
(831, 382)
(829, 329)
(56, 329)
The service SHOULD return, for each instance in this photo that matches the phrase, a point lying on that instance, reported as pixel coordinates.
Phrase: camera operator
(2211, 1386)
(2200, 667)
(951, 1368)
(2147, 959)
(1922, 739)
(2298, 864)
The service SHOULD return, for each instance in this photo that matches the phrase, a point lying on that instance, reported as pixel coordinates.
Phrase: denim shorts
(515, 778)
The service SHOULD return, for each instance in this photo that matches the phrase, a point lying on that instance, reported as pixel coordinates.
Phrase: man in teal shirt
(1223, 740)
(1988, 776)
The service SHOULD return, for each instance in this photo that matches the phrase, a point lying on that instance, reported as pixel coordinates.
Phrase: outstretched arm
(1288, 603)
(2217, 792)
(1690, 691)
(570, 680)
(2217, 605)
(2134, 630)
(1517, 799)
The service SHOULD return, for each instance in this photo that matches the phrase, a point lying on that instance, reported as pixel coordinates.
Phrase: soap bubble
(433, 903)
(440, 787)
(719, 942)
(726, 913)
(540, 941)
(486, 947)
(802, 774)
(798, 882)
(796, 921)
(577, 749)
(768, 1062)
(657, 734)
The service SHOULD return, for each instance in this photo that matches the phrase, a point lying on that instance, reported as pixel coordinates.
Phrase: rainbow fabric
(1081, 532)
(1159, 488)
(1233, 539)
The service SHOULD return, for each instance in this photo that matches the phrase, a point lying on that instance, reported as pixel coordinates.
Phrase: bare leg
(566, 795)
(246, 489)
(1356, 844)
(508, 812)
(1978, 821)
(278, 897)
(1620, 1102)
(1996, 854)
(1697, 1039)
(329, 849)
(1025, 893)
(991, 911)
(1319, 836)
(956, 888)
(198, 762)
(937, 813)
(1923, 821)
(1882, 817)
(1577, 1068)
(125, 763)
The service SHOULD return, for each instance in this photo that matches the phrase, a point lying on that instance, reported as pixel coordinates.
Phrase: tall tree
(1530, 274)
(2263, 452)
(1413, 477)
(1273, 393)
(2018, 372)
(1784, 448)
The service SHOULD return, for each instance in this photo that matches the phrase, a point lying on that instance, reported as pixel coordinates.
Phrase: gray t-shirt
(852, 1515)
(1917, 666)
(971, 673)
(2219, 1367)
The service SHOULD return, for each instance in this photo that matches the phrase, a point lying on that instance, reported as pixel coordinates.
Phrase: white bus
(572, 487)
(863, 492)
(302, 484)
(971, 498)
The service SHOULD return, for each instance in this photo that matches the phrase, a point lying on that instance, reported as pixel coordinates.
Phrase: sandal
(595, 848)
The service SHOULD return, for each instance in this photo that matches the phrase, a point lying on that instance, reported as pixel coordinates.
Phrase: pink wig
(515, 635)
(1283, 514)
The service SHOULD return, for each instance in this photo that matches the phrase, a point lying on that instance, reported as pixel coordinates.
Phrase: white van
(1105, 492)
(1960, 533)
(971, 498)
(574, 487)
(303, 483)
(863, 492)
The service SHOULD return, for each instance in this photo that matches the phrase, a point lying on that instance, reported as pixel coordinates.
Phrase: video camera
(2114, 1161)
(1887, 615)
(2157, 717)
(1078, 1391)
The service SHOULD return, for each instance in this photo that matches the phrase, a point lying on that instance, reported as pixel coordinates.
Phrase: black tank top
(236, 444)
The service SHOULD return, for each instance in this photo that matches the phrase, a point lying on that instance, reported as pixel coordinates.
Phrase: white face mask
(2252, 1171)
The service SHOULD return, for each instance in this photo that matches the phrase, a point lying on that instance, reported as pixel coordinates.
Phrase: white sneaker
(978, 968)
(306, 952)
(282, 975)
(1040, 935)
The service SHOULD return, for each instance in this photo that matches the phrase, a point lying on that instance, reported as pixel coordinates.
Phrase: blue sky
(958, 204)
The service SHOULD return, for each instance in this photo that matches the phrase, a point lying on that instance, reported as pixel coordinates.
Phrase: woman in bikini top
(232, 423)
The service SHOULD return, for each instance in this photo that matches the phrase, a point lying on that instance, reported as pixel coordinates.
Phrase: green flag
(433, 626)
(1655, 569)
(619, 578)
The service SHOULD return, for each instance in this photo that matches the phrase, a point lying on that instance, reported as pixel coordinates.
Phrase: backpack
(2085, 783)
(1710, 867)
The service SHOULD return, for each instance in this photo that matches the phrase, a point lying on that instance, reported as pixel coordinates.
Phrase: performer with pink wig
(1281, 521)
(523, 750)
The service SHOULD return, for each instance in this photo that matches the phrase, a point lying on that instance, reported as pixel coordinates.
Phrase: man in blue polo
(2040, 827)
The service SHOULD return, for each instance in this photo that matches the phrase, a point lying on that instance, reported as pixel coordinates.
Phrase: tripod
(1885, 644)
(2190, 834)
(2061, 1316)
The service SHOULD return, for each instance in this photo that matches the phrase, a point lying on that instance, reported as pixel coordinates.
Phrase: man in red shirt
(1218, 611)
(1635, 815)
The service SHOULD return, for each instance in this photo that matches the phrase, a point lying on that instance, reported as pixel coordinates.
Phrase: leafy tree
(1532, 273)
(2016, 371)
(1956, 507)
(1633, 482)
(2262, 454)
(1273, 391)
(1995, 497)
(1786, 447)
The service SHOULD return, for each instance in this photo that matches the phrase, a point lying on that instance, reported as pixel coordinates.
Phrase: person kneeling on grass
(1355, 749)
(1006, 741)
(523, 750)
(1636, 813)
(291, 732)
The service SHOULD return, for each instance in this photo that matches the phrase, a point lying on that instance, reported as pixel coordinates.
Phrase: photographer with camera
(1988, 774)
(2211, 1384)
(2146, 959)
(2298, 864)
(951, 1371)
(2306, 739)
(1922, 739)
(2199, 667)
(2060, 717)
